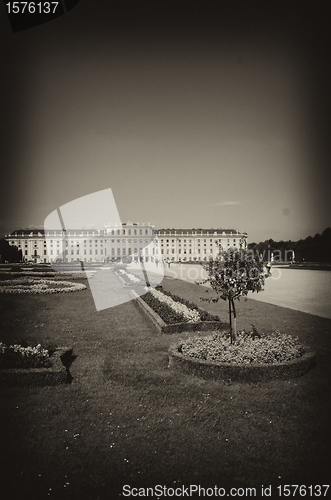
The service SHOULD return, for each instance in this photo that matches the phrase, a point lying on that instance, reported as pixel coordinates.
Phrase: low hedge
(53, 375)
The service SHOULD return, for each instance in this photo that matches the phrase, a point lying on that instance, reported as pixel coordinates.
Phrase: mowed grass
(127, 419)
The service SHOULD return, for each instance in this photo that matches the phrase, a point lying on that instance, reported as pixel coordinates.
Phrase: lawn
(127, 419)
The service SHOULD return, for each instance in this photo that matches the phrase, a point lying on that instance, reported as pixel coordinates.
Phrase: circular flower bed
(275, 348)
(246, 359)
(38, 286)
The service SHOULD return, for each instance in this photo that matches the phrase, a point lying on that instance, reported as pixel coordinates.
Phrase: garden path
(107, 290)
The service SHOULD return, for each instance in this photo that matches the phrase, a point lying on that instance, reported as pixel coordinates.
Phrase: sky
(195, 114)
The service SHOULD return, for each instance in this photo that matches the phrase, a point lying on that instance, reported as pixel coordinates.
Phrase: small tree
(232, 275)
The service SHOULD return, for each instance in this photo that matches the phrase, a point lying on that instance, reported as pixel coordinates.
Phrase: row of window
(197, 252)
(129, 232)
(205, 241)
(135, 251)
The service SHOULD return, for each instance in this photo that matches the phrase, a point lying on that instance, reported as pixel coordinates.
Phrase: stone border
(54, 375)
(163, 327)
(239, 372)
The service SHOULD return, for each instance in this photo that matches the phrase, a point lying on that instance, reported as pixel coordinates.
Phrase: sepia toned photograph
(165, 249)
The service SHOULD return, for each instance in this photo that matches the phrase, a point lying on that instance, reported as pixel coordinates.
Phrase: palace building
(129, 241)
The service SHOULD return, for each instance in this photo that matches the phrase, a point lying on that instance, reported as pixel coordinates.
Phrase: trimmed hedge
(54, 375)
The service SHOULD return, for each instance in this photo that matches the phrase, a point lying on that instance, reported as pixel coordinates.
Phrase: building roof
(23, 233)
(199, 231)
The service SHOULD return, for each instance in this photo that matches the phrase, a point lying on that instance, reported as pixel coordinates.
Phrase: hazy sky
(193, 114)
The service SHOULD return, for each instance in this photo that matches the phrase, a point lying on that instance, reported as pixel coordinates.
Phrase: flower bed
(48, 274)
(173, 309)
(246, 359)
(53, 374)
(38, 286)
(168, 320)
(131, 279)
(18, 356)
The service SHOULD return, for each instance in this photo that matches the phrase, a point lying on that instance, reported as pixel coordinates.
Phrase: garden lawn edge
(239, 372)
(162, 327)
(53, 375)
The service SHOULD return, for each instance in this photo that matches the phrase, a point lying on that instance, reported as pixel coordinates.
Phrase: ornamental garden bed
(39, 286)
(172, 314)
(270, 357)
(49, 371)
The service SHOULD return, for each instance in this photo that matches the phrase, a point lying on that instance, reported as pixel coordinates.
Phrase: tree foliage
(311, 249)
(232, 275)
(9, 253)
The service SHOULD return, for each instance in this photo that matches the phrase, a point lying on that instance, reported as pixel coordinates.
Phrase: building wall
(130, 240)
(197, 244)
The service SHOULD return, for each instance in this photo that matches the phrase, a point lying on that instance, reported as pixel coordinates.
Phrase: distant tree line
(9, 253)
(311, 249)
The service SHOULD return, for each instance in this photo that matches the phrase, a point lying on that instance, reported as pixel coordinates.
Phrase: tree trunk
(234, 321)
(145, 273)
(230, 318)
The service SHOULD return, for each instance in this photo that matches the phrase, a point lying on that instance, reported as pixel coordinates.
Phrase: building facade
(190, 245)
(129, 241)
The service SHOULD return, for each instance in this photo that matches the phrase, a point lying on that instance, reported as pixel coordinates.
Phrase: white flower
(190, 315)
(38, 286)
